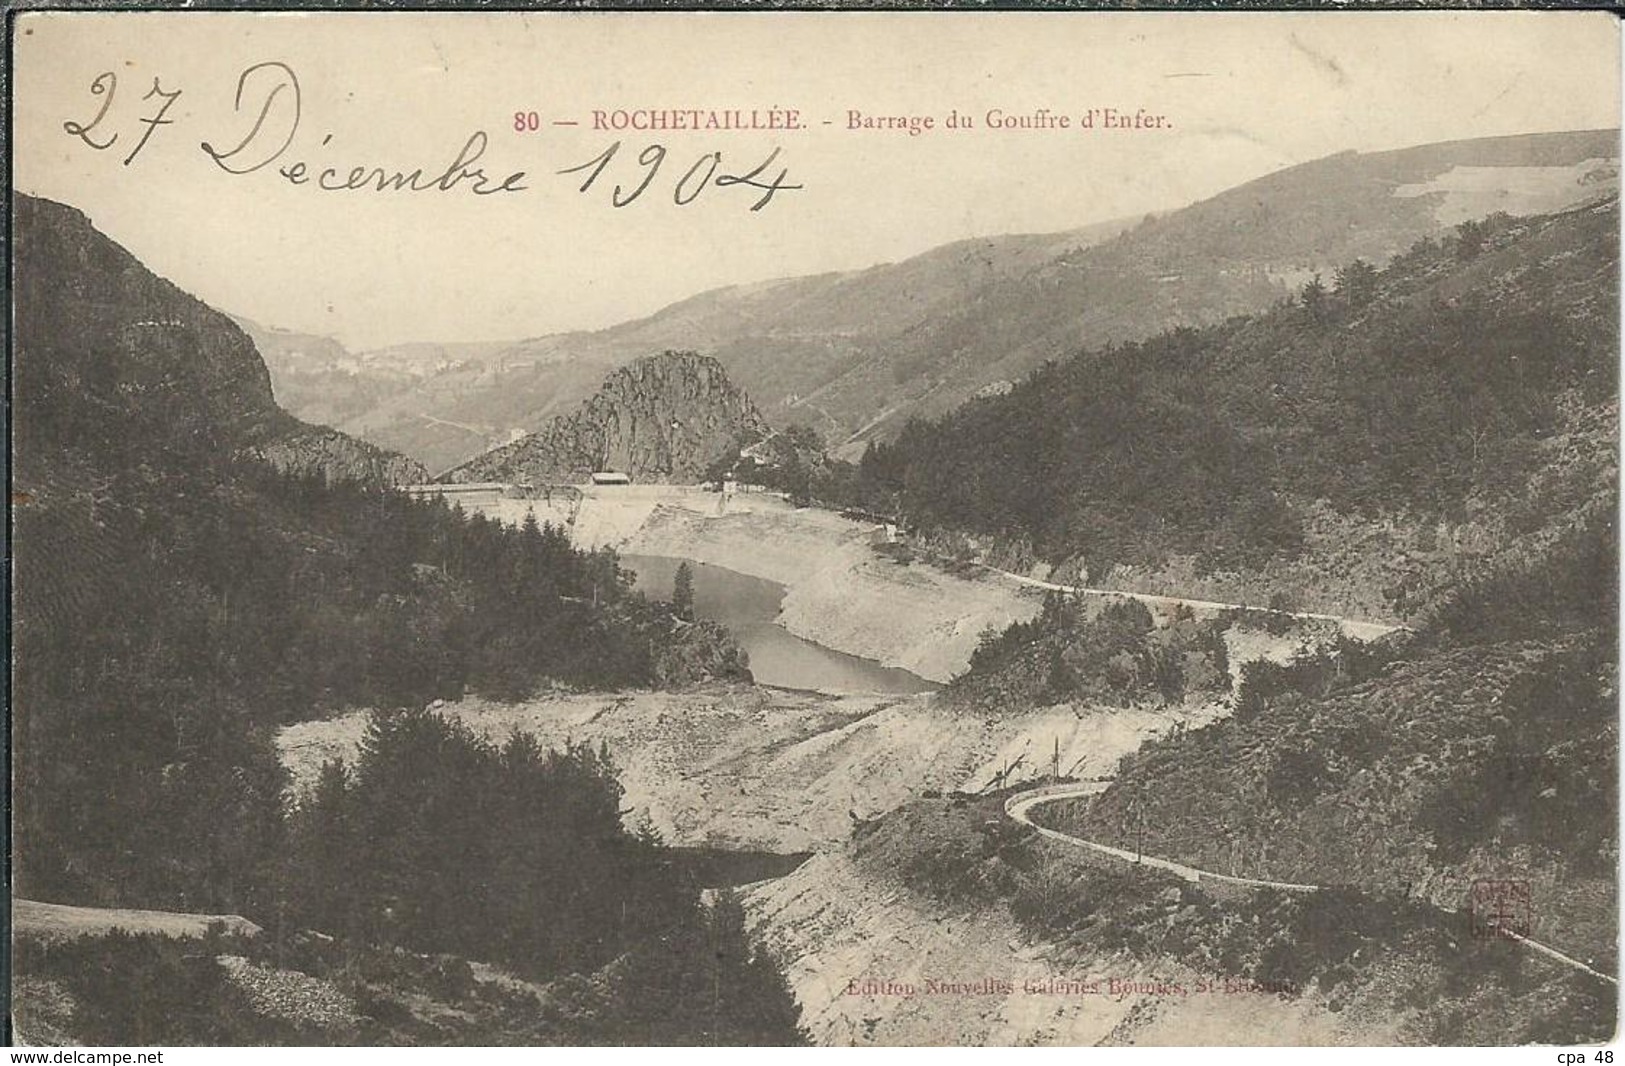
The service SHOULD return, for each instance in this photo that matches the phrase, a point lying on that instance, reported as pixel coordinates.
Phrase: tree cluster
(168, 621)
(1115, 656)
(1415, 388)
(440, 842)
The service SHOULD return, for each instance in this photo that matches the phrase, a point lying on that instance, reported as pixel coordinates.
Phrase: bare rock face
(665, 418)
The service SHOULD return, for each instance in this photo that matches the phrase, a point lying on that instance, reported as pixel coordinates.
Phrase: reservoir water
(749, 606)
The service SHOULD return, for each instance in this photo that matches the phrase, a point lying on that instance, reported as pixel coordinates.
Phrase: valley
(856, 354)
(774, 770)
(1145, 642)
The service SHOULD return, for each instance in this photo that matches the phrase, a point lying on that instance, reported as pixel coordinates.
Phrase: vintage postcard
(834, 528)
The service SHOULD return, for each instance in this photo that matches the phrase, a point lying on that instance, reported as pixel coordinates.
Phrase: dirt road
(1018, 806)
(1359, 630)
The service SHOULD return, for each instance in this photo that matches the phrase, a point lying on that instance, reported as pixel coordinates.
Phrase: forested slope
(1358, 448)
(188, 577)
(1486, 748)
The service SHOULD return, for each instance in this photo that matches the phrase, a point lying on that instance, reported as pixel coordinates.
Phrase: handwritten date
(269, 99)
(688, 187)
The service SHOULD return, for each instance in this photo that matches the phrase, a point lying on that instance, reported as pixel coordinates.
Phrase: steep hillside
(191, 569)
(856, 354)
(1354, 451)
(1237, 252)
(943, 922)
(666, 418)
(190, 572)
(1488, 749)
(116, 360)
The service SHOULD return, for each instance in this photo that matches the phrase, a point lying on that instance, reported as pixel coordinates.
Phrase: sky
(1225, 98)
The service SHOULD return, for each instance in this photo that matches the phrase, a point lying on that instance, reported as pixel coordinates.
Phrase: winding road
(1019, 805)
(1357, 629)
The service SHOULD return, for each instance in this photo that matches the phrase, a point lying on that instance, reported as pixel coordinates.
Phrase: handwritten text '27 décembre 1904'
(274, 87)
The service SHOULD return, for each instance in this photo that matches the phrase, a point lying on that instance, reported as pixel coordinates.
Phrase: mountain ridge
(1356, 450)
(856, 353)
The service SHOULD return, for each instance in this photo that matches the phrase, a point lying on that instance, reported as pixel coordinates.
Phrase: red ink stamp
(1500, 908)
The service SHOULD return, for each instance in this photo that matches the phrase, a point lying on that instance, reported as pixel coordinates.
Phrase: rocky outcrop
(856, 354)
(339, 456)
(115, 361)
(665, 418)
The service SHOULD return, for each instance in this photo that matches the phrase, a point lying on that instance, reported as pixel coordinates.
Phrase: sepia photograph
(814, 528)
